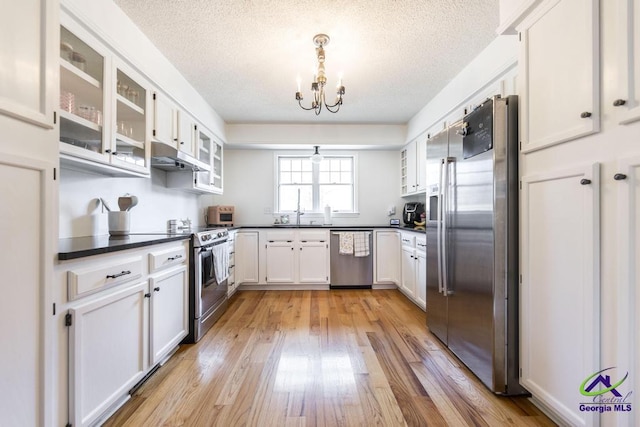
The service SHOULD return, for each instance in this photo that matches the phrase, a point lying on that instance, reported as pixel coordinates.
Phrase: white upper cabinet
(27, 60)
(104, 123)
(129, 147)
(413, 158)
(628, 101)
(560, 73)
(164, 120)
(83, 111)
(186, 133)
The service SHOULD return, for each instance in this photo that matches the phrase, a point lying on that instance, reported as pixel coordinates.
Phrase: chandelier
(320, 81)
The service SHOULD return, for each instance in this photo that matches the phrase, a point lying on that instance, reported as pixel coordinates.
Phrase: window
(331, 182)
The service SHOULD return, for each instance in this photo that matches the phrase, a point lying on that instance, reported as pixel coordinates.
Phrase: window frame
(315, 184)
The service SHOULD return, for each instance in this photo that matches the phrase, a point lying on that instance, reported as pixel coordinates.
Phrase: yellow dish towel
(346, 243)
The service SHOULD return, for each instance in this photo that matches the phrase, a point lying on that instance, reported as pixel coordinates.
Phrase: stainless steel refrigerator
(472, 242)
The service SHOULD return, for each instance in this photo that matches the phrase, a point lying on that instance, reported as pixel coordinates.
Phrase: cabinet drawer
(408, 240)
(166, 258)
(280, 236)
(421, 244)
(86, 281)
(313, 236)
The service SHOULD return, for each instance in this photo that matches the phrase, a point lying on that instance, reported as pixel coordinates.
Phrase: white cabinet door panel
(107, 351)
(560, 304)
(246, 257)
(25, 306)
(560, 74)
(28, 30)
(387, 257)
(629, 281)
(169, 316)
(280, 262)
(629, 60)
(408, 272)
(313, 262)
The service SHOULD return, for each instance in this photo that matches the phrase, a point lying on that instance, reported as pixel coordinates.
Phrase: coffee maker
(412, 212)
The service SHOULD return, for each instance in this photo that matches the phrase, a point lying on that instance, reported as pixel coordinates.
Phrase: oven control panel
(210, 237)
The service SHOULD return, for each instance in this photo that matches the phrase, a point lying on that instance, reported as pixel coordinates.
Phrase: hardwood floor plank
(319, 358)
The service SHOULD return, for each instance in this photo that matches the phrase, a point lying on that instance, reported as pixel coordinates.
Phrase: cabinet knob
(115, 153)
(619, 177)
(585, 181)
(619, 102)
(175, 139)
(585, 115)
(181, 142)
(147, 295)
(156, 289)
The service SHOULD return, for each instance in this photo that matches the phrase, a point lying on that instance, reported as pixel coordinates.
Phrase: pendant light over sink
(316, 157)
(320, 81)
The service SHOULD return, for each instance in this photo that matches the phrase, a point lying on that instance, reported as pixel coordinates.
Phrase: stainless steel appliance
(472, 246)
(207, 295)
(354, 270)
(412, 212)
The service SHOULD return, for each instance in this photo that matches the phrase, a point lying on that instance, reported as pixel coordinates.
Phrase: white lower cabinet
(421, 278)
(387, 253)
(169, 314)
(296, 256)
(560, 290)
(118, 332)
(414, 268)
(246, 257)
(107, 351)
(280, 262)
(408, 282)
(313, 258)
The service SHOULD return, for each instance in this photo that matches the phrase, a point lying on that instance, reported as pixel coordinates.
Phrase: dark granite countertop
(331, 227)
(80, 247)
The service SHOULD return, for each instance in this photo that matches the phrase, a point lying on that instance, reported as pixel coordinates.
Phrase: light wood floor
(319, 358)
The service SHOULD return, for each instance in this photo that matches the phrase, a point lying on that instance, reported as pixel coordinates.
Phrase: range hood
(170, 159)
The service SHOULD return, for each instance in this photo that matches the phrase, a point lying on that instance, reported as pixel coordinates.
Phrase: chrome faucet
(298, 213)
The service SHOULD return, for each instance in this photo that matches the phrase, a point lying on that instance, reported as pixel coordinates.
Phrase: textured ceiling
(244, 56)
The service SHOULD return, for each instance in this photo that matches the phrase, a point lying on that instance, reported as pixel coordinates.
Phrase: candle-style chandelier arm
(320, 80)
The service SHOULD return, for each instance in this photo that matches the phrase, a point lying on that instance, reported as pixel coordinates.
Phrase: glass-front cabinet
(82, 71)
(209, 152)
(130, 150)
(103, 108)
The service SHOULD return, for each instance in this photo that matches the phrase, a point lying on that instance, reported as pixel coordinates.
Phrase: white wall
(81, 215)
(492, 72)
(298, 136)
(249, 186)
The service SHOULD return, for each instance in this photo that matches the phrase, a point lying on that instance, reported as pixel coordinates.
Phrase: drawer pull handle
(156, 289)
(115, 276)
(619, 176)
(173, 258)
(619, 102)
(585, 181)
(585, 115)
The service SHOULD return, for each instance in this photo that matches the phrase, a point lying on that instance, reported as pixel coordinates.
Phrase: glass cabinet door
(81, 111)
(216, 167)
(130, 123)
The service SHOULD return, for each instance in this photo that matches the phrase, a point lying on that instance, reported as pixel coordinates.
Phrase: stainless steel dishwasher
(349, 270)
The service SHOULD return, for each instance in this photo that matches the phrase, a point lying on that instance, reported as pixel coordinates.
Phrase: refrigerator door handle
(439, 226)
(445, 206)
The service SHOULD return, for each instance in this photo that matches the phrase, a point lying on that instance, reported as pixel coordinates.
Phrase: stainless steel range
(208, 287)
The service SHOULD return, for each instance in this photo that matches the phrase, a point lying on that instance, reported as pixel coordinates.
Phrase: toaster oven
(220, 215)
